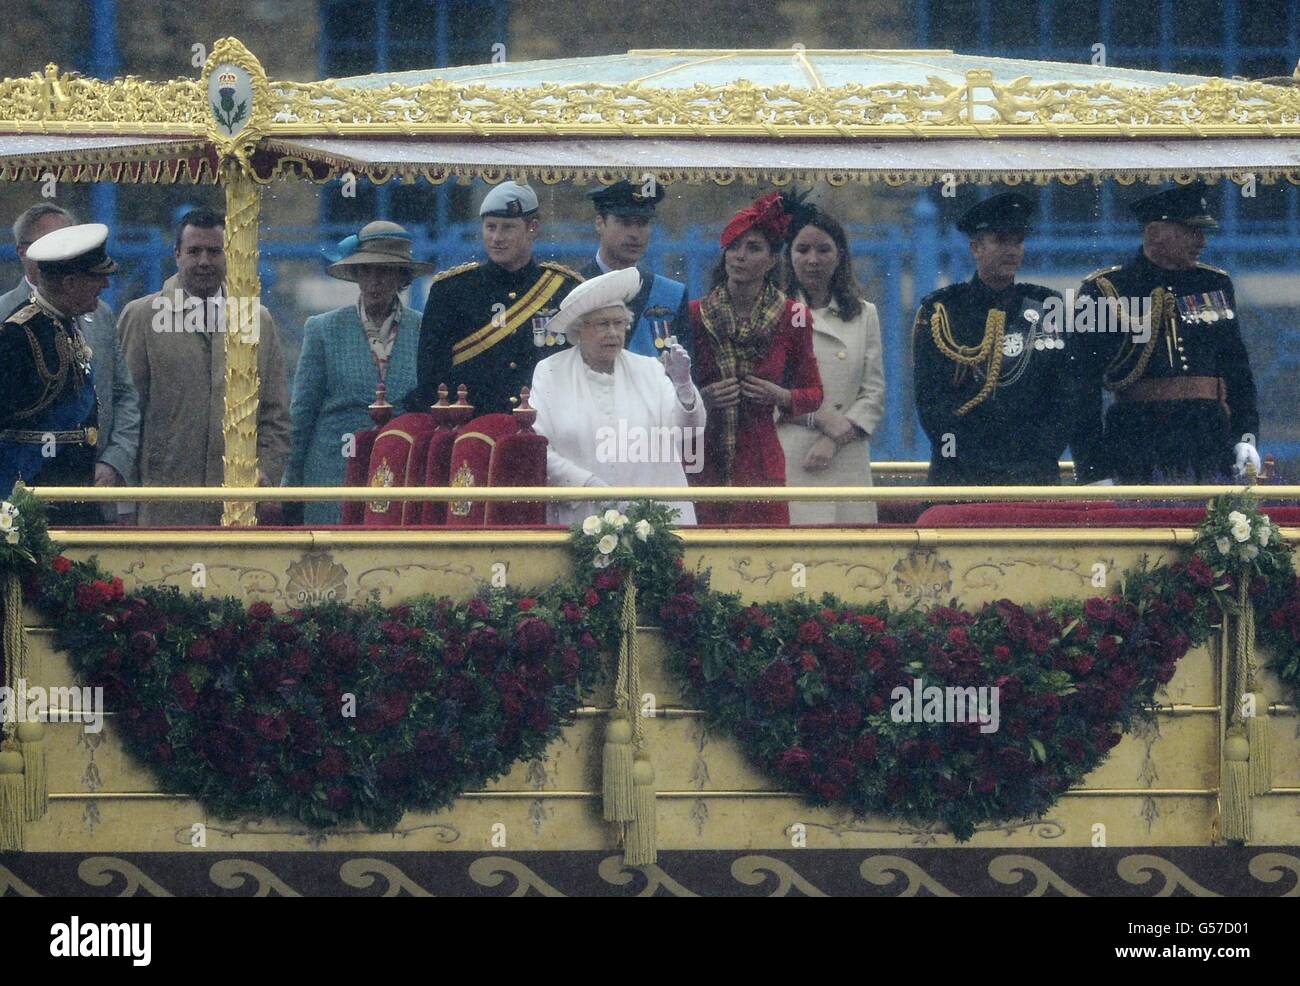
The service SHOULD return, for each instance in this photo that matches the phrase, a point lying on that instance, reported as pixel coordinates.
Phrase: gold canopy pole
(238, 104)
(239, 425)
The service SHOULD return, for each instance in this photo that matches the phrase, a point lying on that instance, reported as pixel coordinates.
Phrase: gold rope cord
(988, 351)
(239, 426)
(1162, 307)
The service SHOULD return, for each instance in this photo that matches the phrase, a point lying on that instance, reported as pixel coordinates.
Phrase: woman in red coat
(753, 359)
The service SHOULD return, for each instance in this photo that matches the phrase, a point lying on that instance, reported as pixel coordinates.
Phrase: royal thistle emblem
(383, 477)
(230, 93)
(464, 477)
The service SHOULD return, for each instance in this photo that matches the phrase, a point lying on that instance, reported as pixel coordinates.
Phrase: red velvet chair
(471, 465)
(356, 474)
(398, 459)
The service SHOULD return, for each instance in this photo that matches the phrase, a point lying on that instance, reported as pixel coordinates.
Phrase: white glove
(1247, 453)
(677, 364)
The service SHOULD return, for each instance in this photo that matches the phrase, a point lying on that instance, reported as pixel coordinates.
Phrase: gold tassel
(1234, 793)
(640, 835)
(11, 797)
(31, 744)
(616, 770)
(1261, 746)
(15, 639)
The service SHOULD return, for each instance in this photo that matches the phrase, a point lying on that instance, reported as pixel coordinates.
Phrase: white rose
(12, 537)
(643, 530)
(1237, 517)
(611, 516)
(1224, 545)
(6, 522)
(591, 525)
(1249, 552)
(602, 561)
(607, 544)
(1262, 533)
(1241, 531)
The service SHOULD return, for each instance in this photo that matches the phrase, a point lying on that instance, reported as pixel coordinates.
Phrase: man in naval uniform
(623, 222)
(48, 412)
(485, 322)
(119, 404)
(995, 382)
(1184, 407)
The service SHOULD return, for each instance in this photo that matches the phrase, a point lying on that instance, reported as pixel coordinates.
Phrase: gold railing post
(243, 294)
(237, 97)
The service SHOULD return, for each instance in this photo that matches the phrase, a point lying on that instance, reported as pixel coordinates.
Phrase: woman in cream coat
(611, 417)
(832, 446)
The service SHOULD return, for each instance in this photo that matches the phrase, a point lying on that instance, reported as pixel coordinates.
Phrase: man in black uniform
(1184, 406)
(623, 222)
(485, 323)
(48, 410)
(995, 378)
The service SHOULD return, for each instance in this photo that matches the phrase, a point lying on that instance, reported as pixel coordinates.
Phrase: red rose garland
(242, 708)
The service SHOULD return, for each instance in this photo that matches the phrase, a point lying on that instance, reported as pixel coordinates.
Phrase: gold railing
(696, 494)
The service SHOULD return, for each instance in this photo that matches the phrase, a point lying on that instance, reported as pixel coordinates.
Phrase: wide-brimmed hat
(379, 243)
(604, 291)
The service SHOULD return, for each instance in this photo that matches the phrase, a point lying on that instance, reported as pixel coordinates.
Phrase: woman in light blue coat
(346, 353)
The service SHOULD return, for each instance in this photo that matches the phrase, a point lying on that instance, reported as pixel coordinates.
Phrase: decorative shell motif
(316, 578)
(464, 477)
(383, 477)
(923, 576)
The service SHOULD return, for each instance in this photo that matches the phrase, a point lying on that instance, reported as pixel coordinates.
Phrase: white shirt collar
(600, 262)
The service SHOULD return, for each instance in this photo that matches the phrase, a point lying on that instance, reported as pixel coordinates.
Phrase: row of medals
(541, 337)
(1012, 344)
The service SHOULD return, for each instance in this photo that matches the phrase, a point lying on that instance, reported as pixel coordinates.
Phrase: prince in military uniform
(48, 411)
(1184, 404)
(994, 377)
(485, 322)
(624, 217)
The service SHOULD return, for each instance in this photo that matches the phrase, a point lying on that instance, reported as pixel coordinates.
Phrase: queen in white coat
(613, 418)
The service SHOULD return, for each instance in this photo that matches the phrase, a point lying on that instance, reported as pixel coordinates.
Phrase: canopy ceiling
(835, 115)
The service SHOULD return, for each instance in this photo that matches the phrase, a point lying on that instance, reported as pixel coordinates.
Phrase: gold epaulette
(1217, 270)
(567, 271)
(23, 314)
(442, 275)
(1100, 271)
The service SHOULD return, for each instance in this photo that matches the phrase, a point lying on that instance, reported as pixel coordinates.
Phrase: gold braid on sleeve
(1162, 308)
(988, 352)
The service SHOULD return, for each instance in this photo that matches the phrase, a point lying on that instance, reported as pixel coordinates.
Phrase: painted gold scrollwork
(99, 871)
(884, 870)
(613, 871)
(233, 874)
(1140, 868)
(1014, 868)
(756, 871)
(491, 871)
(363, 873)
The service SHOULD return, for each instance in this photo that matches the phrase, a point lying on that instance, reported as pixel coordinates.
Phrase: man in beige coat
(174, 342)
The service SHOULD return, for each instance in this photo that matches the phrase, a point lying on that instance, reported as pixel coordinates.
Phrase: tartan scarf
(738, 346)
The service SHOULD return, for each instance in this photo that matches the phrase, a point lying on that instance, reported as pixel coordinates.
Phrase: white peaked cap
(616, 287)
